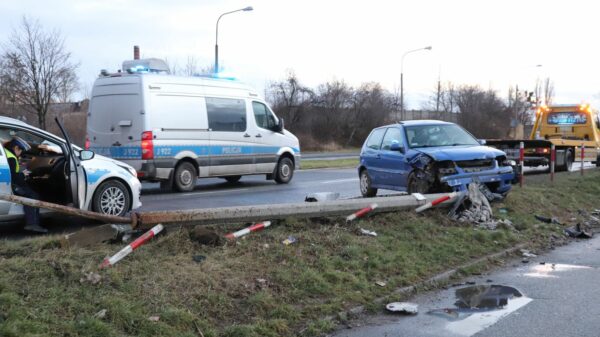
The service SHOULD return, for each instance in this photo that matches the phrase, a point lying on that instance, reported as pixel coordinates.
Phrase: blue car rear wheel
(366, 188)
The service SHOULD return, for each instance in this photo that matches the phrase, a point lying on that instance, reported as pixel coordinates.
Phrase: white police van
(175, 129)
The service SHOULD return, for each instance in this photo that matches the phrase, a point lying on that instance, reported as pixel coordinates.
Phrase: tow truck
(567, 127)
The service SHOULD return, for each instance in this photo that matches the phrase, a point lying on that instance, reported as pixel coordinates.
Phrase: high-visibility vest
(9, 155)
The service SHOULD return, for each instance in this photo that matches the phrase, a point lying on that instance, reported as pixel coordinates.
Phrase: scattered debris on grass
(367, 232)
(290, 240)
(198, 258)
(579, 231)
(547, 219)
(527, 253)
(100, 314)
(403, 307)
(154, 318)
(381, 283)
(472, 207)
(91, 277)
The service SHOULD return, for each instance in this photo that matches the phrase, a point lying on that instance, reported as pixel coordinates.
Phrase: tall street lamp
(247, 9)
(402, 78)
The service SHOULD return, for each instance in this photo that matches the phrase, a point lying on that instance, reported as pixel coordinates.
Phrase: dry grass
(256, 286)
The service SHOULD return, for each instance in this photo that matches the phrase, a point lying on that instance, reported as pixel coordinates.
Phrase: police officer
(14, 148)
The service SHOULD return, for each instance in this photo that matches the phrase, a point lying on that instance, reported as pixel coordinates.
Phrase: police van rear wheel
(111, 198)
(185, 177)
(285, 171)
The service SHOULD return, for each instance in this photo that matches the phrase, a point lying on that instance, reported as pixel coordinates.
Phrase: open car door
(76, 173)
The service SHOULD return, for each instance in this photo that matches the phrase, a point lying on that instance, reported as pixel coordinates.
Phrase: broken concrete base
(95, 235)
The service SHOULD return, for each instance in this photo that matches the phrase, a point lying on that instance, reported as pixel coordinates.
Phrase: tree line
(36, 70)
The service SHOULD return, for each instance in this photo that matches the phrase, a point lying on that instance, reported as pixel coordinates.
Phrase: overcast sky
(493, 44)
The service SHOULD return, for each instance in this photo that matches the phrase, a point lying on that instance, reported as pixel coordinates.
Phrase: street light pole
(402, 78)
(246, 9)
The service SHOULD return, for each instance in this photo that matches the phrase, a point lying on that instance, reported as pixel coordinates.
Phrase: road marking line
(339, 181)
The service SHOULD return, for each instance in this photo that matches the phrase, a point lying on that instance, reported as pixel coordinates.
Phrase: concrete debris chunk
(100, 314)
(403, 307)
(154, 318)
(473, 207)
(381, 283)
(91, 277)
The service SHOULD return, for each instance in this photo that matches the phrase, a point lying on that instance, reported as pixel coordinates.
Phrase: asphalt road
(560, 298)
(254, 190)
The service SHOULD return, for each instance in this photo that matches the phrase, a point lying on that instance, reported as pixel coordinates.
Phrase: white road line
(339, 181)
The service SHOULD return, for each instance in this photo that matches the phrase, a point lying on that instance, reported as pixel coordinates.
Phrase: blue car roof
(419, 122)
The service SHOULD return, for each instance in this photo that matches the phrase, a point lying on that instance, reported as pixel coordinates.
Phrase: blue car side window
(374, 140)
(393, 135)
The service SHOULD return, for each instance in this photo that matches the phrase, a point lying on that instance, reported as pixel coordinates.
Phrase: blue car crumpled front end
(498, 178)
(457, 167)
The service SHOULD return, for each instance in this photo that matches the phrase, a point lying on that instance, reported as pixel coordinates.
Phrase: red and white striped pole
(521, 163)
(360, 213)
(552, 161)
(582, 156)
(256, 227)
(436, 202)
(132, 246)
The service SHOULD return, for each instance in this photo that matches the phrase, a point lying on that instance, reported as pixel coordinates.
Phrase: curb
(432, 281)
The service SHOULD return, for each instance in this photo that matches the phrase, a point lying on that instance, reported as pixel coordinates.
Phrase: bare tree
(442, 99)
(36, 67)
(483, 113)
(548, 91)
(290, 98)
(519, 105)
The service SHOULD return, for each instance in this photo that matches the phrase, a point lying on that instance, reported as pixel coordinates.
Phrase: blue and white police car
(65, 174)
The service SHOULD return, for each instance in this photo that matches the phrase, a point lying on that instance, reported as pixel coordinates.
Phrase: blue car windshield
(438, 135)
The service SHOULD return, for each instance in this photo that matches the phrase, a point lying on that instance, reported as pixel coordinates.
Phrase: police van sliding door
(230, 141)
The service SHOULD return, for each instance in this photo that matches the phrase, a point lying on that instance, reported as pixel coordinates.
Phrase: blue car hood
(461, 152)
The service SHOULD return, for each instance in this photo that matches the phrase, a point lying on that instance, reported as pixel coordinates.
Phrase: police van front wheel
(284, 171)
(184, 179)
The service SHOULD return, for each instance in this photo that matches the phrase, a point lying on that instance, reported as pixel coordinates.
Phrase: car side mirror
(279, 127)
(86, 155)
(395, 146)
(481, 141)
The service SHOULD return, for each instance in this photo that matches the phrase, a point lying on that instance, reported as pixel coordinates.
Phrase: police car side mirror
(481, 141)
(86, 155)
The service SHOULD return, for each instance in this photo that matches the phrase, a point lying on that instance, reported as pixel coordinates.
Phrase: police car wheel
(285, 171)
(112, 198)
(185, 177)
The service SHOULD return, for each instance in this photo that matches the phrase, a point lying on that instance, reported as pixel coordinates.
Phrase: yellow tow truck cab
(567, 127)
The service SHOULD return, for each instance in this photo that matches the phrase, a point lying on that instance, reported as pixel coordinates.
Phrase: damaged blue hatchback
(428, 156)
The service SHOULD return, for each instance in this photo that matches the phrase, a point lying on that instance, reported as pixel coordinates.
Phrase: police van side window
(264, 118)
(226, 114)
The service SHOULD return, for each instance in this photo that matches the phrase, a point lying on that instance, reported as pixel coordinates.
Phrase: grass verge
(257, 286)
(315, 164)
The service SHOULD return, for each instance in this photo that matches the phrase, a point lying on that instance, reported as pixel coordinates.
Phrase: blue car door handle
(378, 156)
